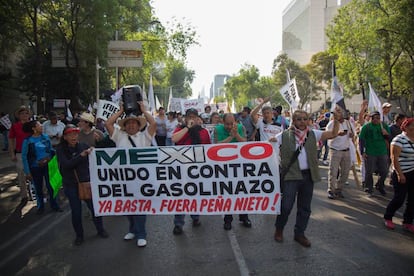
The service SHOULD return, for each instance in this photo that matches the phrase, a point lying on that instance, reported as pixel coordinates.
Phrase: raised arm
(255, 110)
(109, 124)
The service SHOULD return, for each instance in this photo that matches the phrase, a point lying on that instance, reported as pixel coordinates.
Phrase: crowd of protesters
(373, 142)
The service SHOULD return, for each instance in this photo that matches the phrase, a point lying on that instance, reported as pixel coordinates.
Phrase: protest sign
(106, 109)
(5, 121)
(290, 93)
(236, 178)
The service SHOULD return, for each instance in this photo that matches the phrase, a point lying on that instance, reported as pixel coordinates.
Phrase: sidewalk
(10, 200)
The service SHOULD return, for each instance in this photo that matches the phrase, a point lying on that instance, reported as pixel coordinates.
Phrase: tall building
(304, 23)
(217, 87)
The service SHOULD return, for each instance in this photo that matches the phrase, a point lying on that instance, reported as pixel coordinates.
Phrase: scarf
(300, 135)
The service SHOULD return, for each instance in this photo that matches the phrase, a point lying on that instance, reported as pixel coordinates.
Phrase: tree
(304, 83)
(373, 41)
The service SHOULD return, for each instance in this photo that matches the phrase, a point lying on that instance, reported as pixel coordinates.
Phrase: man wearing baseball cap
(386, 115)
(190, 132)
(373, 140)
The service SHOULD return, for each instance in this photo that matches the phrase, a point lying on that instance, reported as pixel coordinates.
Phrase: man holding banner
(132, 134)
(231, 132)
(299, 166)
(189, 133)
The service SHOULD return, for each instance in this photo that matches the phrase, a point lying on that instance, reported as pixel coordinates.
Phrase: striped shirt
(406, 158)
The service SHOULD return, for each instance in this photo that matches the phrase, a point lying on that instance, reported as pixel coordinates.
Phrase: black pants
(401, 191)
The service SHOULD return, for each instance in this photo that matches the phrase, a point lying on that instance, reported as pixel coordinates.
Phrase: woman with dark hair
(36, 152)
(402, 178)
(74, 166)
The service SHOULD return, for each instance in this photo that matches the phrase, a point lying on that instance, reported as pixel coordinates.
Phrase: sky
(231, 33)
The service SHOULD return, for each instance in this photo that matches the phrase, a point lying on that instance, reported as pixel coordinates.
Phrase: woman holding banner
(74, 167)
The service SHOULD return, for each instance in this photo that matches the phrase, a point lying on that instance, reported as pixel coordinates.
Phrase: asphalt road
(348, 238)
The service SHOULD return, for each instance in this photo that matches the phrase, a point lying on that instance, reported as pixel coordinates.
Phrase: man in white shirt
(340, 158)
(267, 128)
(132, 134)
(53, 128)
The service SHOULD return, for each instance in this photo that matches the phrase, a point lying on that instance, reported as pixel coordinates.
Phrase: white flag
(290, 94)
(151, 98)
(157, 103)
(169, 100)
(374, 103)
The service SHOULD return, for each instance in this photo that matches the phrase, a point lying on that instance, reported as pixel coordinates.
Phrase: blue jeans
(76, 207)
(179, 219)
(169, 142)
(38, 174)
(137, 226)
(304, 190)
(376, 162)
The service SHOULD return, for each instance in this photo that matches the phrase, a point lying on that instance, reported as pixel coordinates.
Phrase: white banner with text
(236, 178)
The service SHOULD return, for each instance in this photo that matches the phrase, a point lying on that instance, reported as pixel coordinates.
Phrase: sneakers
(129, 236)
(408, 227)
(325, 162)
(141, 242)
(227, 226)
(302, 240)
(278, 235)
(178, 230)
(246, 223)
(331, 195)
(389, 224)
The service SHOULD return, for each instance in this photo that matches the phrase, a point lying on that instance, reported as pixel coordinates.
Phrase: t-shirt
(406, 158)
(141, 138)
(171, 126)
(53, 130)
(267, 130)
(339, 142)
(89, 138)
(186, 140)
(375, 143)
(161, 126)
(16, 132)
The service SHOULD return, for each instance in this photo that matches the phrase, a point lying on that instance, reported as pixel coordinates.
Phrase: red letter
(213, 153)
(245, 151)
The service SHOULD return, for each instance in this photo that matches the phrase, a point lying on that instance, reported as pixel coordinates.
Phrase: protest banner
(192, 103)
(5, 121)
(106, 109)
(290, 94)
(236, 178)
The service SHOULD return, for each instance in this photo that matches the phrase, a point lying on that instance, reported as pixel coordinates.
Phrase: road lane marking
(33, 237)
(244, 270)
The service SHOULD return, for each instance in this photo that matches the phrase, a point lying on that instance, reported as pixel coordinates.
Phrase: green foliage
(306, 87)
(83, 29)
(374, 43)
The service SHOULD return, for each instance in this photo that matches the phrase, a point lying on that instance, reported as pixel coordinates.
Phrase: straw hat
(88, 117)
(140, 119)
(20, 109)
